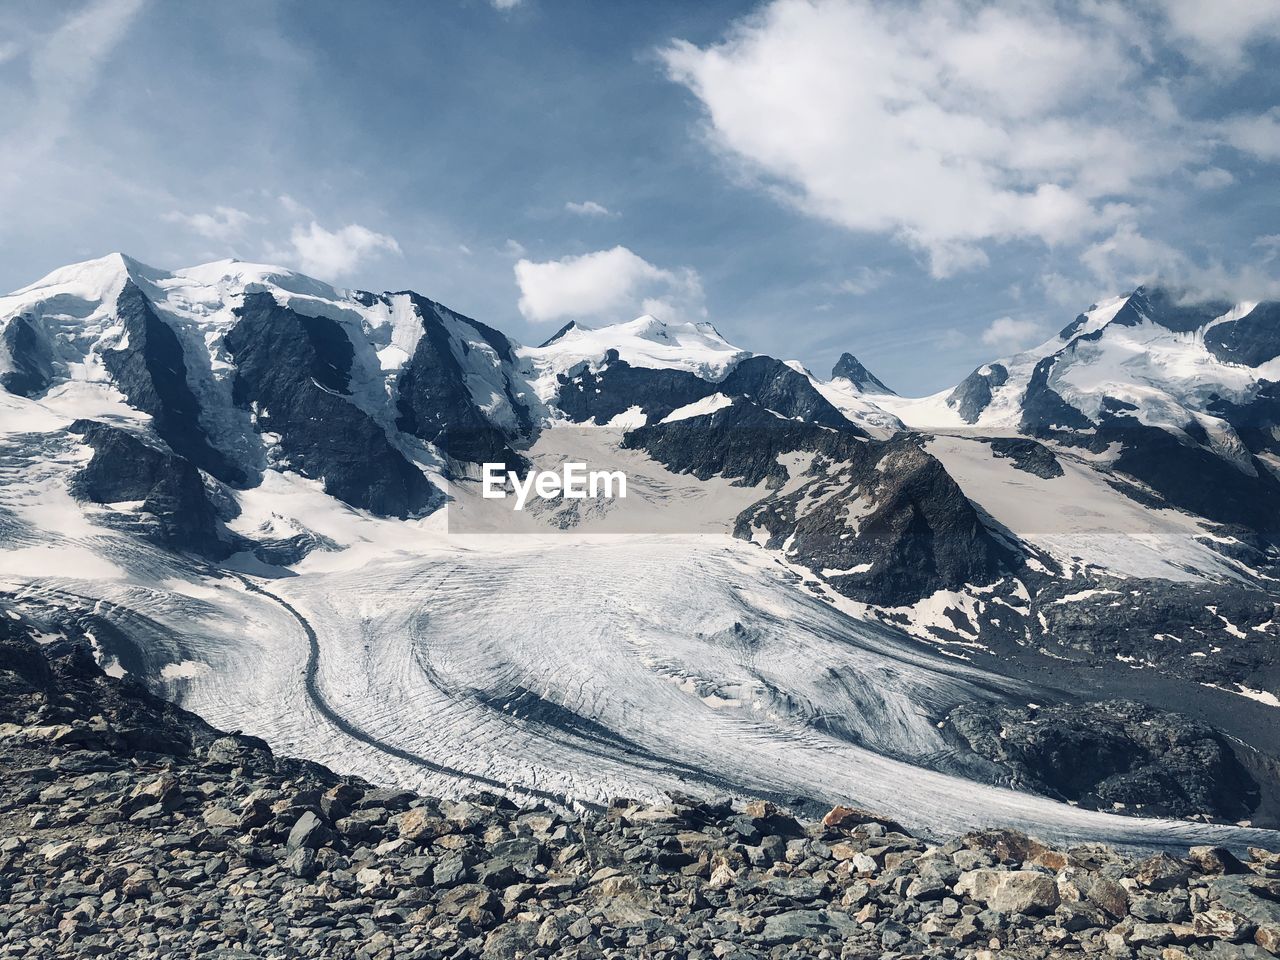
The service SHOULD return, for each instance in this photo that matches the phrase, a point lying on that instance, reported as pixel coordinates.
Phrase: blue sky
(928, 185)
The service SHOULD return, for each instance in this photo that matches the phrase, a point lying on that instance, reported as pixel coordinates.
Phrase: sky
(929, 185)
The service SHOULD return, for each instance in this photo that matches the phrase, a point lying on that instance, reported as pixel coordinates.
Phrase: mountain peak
(645, 341)
(850, 368)
(1174, 309)
(93, 279)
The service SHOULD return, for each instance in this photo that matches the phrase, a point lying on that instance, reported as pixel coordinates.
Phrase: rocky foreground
(128, 827)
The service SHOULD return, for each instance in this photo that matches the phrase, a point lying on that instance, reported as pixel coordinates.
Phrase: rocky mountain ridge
(1090, 518)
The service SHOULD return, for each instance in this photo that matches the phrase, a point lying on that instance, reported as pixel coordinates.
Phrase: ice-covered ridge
(1170, 375)
(643, 342)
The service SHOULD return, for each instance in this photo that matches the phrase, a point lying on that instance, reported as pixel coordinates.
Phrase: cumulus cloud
(223, 224)
(607, 285)
(952, 125)
(1008, 334)
(1218, 32)
(940, 126)
(334, 253)
(1257, 135)
(588, 208)
(505, 4)
(1213, 178)
(1128, 258)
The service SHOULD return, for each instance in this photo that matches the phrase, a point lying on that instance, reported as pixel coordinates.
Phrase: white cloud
(292, 207)
(1269, 244)
(943, 126)
(1128, 258)
(1009, 334)
(607, 285)
(588, 208)
(223, 224)
(505, 4)
(334, 253)
(953, 125)
(1258, 135)
(864, 280)
(1218, 31)
(1212, 178)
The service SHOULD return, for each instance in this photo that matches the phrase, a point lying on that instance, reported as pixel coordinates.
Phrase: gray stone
(308, 832)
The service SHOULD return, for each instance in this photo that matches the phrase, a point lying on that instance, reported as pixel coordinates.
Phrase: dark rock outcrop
(1027, 455)
(177, 510)
(1171, 311)
(973, 394)
(1252, 340)
(597, 396)
(742, 441)
(850, 368)
(435, 404)
(774, 385)
(886, 511)
(1187, 475)
(1115, 752)
(151, 371)
(887, 526)
(1044, 412)
(30, 356)
(294, 371)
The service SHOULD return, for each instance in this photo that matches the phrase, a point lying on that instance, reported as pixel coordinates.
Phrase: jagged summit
(1101, 501)
(850, 368)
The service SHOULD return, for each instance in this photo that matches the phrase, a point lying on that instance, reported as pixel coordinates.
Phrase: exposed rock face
(850, 368)
(742, 442)
(973, 394)
(775, 386)
(1171, 311)
(434, 401)
(599, 396)
(130, 828)
(884, 524)
(1252, 340)
(30, 358)
(1109, 753)
(1140, 630)
(615, 388)
(1044, 412)
(1186, 474)
(294, 371)
(177, 509)
(151, 372)
(1029, 455)
(1256, 423)
(881, 519)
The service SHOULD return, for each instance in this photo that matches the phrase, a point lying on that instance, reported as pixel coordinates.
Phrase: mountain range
(260, 495)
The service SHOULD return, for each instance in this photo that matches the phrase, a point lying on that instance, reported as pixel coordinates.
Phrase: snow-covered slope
(259, 491)
(645, 341)
(1174, 363)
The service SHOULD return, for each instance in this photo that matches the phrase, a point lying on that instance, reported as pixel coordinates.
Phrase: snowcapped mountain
(231, 476)
(1177, 399)
(850, 370)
